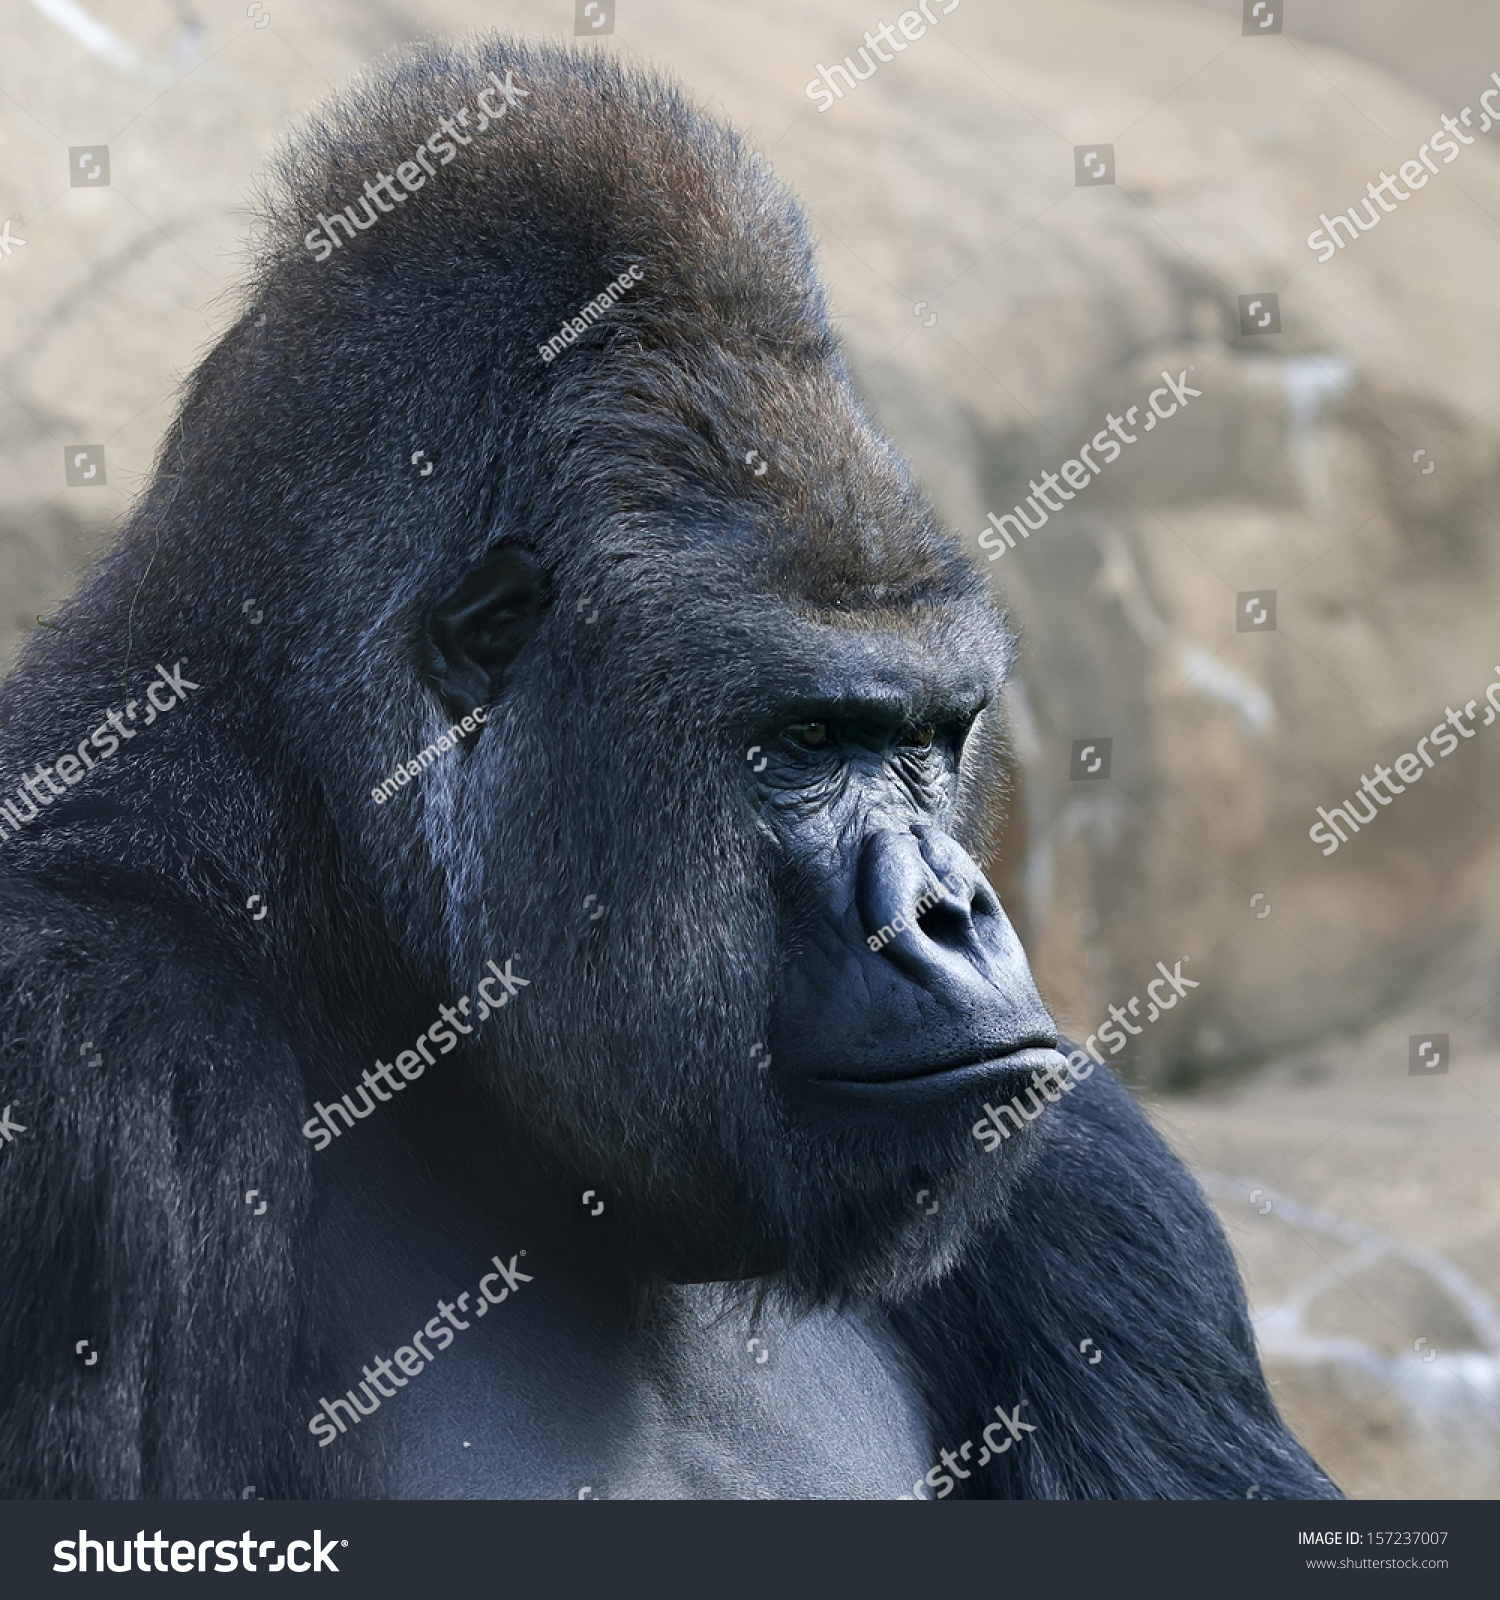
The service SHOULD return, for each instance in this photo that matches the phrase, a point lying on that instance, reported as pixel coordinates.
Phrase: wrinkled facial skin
(805, 989)
(907, 989)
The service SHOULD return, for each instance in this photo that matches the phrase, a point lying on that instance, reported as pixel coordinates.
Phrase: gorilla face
(756, 752)
(904, 998)
(905, 988)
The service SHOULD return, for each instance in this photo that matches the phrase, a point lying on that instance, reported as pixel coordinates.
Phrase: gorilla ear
(476, 631)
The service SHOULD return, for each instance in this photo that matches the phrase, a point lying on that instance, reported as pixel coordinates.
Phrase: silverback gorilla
(498, 992)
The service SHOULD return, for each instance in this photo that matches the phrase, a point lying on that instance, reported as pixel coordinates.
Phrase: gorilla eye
(921, 736)
(810, 735)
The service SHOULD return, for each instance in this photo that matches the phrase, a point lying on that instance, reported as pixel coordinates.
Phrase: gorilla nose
(931, 911)
(936, 984)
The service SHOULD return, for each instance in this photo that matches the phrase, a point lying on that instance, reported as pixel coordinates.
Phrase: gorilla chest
(807, 1410)
(698, 1405)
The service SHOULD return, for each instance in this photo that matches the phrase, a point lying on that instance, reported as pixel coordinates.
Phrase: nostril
(944, 924)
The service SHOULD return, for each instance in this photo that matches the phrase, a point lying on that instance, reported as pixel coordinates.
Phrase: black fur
(163, 1044)
(1107, 1240)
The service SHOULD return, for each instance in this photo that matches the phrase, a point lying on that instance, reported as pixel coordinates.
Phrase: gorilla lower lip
(930, 1082)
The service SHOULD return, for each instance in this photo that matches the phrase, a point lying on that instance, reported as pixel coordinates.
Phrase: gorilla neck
(447, 1153)
(594, 1229)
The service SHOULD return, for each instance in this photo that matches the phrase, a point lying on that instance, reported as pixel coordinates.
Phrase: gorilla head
(741, 689)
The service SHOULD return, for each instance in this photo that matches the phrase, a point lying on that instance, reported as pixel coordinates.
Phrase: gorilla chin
(891, 1190)
(827, 1209)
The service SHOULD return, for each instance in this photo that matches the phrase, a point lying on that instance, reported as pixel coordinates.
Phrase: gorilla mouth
(928, 1082)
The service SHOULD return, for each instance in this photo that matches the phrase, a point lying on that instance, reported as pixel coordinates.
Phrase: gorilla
(502, 1002)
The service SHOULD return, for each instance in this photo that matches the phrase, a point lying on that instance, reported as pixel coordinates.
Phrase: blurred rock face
(1377, 583)
(1381, 1335)
(997, 310)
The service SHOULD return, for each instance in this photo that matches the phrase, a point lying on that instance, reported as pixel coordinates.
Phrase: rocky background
(995, 312)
